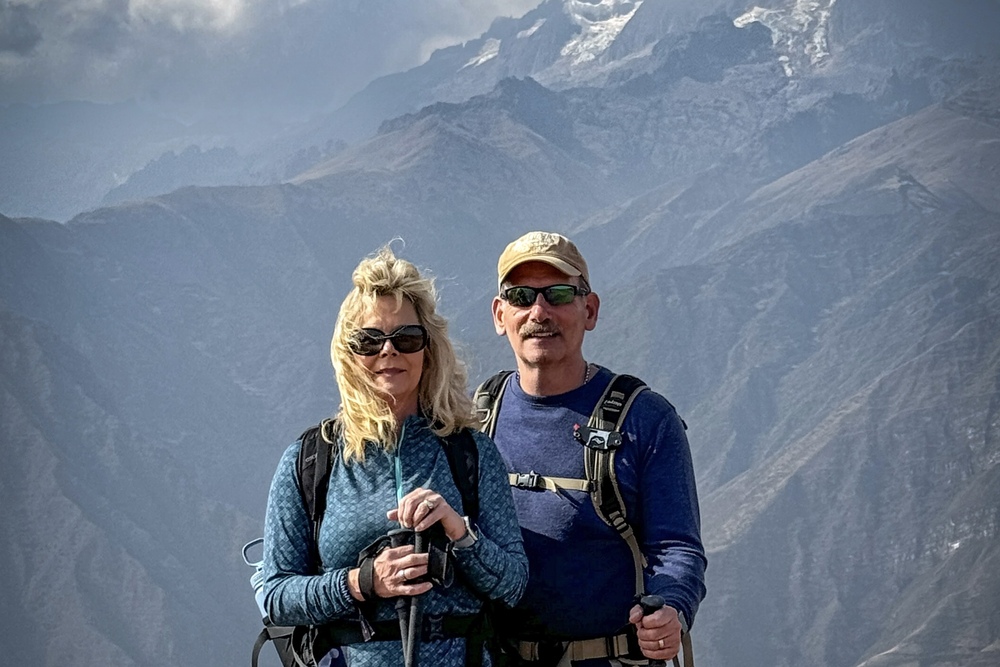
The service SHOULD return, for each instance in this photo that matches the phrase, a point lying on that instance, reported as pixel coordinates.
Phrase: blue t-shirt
(581, 574)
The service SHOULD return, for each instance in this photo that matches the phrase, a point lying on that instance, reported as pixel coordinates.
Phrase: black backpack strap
(487, 401)
(282, 638)
(463, 459)
(313, 474)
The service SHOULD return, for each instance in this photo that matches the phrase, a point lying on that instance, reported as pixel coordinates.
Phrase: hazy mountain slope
(839, 370)
(109, 550)
(511, 142)
(60, 159)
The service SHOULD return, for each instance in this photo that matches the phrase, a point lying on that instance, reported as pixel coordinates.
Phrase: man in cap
(585, 576)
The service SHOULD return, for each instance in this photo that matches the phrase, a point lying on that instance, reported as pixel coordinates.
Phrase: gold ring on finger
(429, 504)
(659, 643)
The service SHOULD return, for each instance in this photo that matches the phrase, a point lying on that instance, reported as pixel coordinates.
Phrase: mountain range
(791, 217)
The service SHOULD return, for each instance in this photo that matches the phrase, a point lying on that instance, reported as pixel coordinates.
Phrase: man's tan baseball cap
(553, 249)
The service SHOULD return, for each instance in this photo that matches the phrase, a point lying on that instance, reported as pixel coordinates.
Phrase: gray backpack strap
(601, 440)
(487, 401)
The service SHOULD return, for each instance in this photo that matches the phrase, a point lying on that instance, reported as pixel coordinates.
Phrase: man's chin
(534, 352)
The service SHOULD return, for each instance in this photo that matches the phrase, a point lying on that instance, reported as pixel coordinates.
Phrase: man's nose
(540, 308)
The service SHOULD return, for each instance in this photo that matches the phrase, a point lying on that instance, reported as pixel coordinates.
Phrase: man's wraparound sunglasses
(407, 339)
(523, 296)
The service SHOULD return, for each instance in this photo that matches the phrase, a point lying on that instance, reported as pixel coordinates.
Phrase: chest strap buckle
(527, 480)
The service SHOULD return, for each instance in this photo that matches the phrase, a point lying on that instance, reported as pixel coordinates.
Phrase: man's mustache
(537, 329)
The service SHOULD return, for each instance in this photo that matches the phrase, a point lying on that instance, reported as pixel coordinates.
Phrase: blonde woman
(403, 391)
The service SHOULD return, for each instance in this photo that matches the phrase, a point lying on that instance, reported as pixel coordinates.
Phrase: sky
(275, 54)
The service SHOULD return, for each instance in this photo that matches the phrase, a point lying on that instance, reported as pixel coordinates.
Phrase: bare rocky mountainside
(793, 221)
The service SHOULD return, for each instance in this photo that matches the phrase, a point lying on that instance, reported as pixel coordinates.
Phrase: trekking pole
(413, 632)
(649, 604)
(397, 538)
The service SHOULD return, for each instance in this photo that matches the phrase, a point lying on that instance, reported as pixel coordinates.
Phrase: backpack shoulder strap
(487, 401)
(463, 459)
(616, 400)
(313, 473)
(599, 463)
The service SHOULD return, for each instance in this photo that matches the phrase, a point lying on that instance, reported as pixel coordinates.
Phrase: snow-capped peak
(600, 22)
(489, 50)
(799, 30)
(532, 30)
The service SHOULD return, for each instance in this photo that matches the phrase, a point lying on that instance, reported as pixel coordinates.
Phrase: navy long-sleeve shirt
(582, 576)
(358, 498)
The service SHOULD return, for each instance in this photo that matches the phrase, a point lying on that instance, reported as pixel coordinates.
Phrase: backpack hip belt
(321, 638)
(622, 647)
(582, 649)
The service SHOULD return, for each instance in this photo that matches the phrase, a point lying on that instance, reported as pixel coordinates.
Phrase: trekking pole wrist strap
(366, 579)
(366, 567)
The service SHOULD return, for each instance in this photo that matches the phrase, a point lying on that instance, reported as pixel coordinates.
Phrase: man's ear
(498, 316)
(592, 303)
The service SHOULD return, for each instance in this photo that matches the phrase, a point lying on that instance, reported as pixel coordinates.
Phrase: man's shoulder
(654, 401)
(648, 403)
(648, 395)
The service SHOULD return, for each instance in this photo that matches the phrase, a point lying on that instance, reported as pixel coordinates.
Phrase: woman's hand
(392, 573)
(422, 508)
(395, 567)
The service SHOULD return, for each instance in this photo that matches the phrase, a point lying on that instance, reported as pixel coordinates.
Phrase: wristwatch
(469, 538)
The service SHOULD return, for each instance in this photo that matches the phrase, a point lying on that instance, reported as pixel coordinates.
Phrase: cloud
(280, 54)
(184, 15)
(18, 34)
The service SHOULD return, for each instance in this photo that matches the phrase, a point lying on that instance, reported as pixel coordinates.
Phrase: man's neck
(552, 380)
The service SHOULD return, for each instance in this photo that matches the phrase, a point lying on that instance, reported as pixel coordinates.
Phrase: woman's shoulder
(290, 455)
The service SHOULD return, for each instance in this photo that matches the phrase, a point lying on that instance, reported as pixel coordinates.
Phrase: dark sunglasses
(407, 339)
(523, 296)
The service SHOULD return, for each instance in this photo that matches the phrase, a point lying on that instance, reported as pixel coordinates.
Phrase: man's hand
(659, 633)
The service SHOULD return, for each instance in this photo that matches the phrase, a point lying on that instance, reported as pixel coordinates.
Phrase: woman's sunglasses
(407, 339)
(523, 296)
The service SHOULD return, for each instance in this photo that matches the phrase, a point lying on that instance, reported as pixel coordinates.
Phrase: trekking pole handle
(397, 538)
(649, 604)
(416, 616)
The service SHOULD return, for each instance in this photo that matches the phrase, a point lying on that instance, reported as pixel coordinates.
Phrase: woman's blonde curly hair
(366, 417)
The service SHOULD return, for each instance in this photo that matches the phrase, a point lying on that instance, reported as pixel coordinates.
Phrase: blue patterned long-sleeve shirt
(359, 496)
